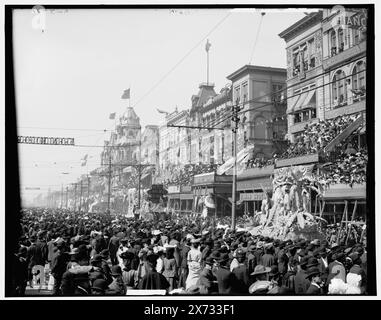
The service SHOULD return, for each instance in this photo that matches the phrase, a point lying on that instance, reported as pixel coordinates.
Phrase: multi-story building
(150, 145)
(211, 146)
(344, 62)
(257, 90)
(326, 73)
(123, 146)
(325, 68)
(173, 147)
(149, 153)
(305, 93)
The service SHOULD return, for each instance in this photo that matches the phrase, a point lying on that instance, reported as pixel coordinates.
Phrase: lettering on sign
(173, 189)
(256, 196)
(46, 140)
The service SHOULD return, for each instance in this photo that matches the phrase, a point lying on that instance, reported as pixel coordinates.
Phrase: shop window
(297, 118)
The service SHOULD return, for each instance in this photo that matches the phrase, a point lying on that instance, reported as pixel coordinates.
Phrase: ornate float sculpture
(287, 213)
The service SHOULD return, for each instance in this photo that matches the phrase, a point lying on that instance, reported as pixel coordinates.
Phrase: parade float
(287, 213)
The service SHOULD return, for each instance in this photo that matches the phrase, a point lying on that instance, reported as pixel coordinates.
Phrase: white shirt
(234, 264)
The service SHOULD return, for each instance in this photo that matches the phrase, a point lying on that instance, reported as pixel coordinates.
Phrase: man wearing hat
(153, 280)
(251, 259)
(99, 287)
(20, 271)
(207, 281)
(338, 261)
(261, 284)
(129, 275)
(241, 272)
(122, 248)
(267, 259)
(225, 278)
(315, 287)
(106, 268)
(116, 287)
(59, 263)
(301, 282)
(113, 247)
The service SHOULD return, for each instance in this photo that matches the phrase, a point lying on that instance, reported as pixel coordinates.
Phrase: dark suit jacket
(267, 260)
(226, 281)
(301, 282)
(314, 290)
(206, 281)
(242, 275)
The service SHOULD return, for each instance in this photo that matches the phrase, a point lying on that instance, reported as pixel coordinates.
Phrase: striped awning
(306, 103)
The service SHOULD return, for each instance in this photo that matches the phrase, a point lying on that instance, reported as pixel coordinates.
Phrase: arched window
(355, 36)
(333, 43)
(260, 128)
(358, 76)
(339, 88)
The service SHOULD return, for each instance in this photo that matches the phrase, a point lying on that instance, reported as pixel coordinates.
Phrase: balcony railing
(338, 55)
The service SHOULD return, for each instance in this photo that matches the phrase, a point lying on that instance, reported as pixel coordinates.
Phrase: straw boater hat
(259, 269)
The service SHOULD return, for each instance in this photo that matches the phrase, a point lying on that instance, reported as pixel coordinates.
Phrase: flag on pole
(162, 111)
(112, 116)
(84, 160)
(126, 94)
(207, 45)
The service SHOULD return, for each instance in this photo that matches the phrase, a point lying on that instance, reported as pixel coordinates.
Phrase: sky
(70, 76)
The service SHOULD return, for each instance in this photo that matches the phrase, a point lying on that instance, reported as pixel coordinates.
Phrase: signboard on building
(186, 189)
(46, 140)
(173, 189)
(254, 196)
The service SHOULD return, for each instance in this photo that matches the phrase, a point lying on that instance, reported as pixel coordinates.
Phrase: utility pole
(140, 170)
(75, 196)
(61, 195)
(109, 185)
(88, 192)
(67, 190)
(235, 119)
(80, 199)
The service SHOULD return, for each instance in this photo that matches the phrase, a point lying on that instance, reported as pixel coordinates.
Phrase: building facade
(305, 90)
(344, 62)
(326, 68)
(257, 90)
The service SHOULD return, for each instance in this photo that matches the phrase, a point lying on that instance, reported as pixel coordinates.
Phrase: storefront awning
(241, 156)
(306, 103)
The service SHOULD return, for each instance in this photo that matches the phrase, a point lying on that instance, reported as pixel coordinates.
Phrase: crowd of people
(348, 167)
(317, 135)
(184, 175)
(99, 254)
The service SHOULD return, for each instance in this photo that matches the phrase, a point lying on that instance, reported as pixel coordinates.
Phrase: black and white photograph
(190, 151)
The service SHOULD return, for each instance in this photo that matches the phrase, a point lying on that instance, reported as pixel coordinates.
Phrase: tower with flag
(207, 48)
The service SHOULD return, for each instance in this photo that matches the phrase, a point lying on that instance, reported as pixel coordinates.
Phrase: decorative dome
(130, 118)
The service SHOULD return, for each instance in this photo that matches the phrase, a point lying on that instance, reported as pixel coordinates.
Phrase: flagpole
(207, 66)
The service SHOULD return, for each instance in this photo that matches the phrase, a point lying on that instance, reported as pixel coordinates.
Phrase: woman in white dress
(194, 264)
